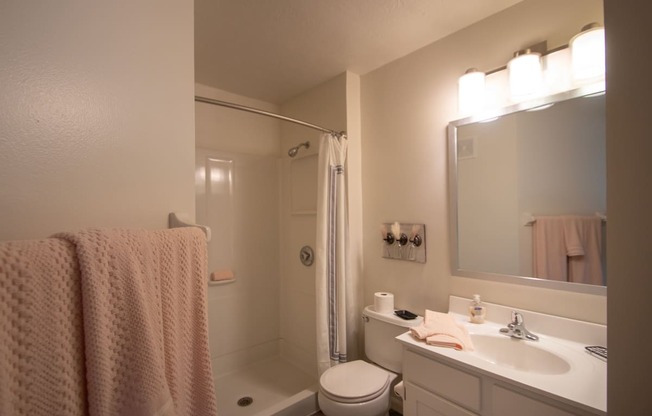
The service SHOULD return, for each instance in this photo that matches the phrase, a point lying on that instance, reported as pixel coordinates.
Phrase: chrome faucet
(516, 328)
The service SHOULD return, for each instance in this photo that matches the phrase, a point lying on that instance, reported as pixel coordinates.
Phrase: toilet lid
(354, 381)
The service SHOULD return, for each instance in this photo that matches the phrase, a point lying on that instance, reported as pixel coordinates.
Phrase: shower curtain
(332, 248)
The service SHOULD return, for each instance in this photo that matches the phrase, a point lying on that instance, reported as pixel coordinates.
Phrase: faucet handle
(517, 318)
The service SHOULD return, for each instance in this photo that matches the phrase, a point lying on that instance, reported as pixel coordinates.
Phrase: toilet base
(378, 406)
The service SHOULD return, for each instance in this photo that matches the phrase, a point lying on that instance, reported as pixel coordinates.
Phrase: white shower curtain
(332, 248)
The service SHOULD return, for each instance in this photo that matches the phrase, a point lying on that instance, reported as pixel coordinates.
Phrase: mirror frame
(583, 91)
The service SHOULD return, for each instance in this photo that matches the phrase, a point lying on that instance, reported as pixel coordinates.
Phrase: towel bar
(174, 221)
(528, 219)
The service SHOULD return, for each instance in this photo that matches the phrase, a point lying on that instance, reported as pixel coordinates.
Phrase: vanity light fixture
(587, 53)
(471, 91)
(525, 74)
(580, 63)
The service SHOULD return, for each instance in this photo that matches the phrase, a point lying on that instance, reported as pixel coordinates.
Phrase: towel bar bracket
(176, 220)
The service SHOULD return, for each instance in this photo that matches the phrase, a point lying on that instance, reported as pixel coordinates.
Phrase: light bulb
(470, 91)
(587, 53)
(525, 75)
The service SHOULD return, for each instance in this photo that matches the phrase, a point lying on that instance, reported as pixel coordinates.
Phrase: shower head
(293, 151)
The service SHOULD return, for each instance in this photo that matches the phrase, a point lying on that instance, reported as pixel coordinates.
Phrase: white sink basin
(518, 354)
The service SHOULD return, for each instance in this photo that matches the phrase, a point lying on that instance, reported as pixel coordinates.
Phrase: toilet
(359, 388)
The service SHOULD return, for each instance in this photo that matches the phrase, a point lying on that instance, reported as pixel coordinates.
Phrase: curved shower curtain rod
(267, 113)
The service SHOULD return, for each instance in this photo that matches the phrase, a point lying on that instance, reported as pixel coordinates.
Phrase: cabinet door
(420, 402)
(458, 386)
(507, 402)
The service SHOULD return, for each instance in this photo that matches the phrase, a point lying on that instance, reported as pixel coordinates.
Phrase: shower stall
(256, 187)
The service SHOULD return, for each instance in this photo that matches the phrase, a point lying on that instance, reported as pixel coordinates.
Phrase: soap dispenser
(477, 310)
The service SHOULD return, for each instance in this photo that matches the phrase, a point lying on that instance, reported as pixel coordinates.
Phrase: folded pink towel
(440, 329)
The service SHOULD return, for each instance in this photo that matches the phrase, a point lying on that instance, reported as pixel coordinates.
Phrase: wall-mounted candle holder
(404, 241)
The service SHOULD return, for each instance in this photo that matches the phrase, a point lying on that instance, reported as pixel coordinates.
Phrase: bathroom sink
(518, 354)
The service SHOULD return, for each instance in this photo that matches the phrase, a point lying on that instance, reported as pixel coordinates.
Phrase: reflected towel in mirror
(568, 248)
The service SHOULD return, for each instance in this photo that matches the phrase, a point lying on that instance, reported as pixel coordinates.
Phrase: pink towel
(145, 321)
(567, 248)
(440, 329)
(586, 267)
(549, 253)
(42, 368)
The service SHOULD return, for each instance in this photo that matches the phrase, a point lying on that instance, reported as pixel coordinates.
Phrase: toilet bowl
(356, 388)
(359, 388)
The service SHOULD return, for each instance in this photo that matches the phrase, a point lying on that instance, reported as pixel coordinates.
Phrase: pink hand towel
(549, 253)
(586, 266)
(440, 329)
(568, 248)
(573, 239)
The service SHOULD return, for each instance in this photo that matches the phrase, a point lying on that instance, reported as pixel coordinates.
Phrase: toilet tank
(380, 329)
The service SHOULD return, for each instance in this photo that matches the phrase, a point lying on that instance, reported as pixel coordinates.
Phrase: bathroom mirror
(542, 157)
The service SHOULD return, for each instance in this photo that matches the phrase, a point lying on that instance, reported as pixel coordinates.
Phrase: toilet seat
(354, 382)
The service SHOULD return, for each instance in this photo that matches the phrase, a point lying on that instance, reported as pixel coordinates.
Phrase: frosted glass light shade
(525, 75)
(587, 54)
(470, 91)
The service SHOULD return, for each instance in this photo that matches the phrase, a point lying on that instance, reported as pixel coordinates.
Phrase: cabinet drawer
(455, 385)
(420, 402)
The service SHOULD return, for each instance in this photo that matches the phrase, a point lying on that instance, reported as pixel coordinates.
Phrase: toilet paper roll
(384, 302)
(399, 390)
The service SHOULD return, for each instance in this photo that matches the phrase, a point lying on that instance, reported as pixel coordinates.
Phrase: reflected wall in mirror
(548, 164)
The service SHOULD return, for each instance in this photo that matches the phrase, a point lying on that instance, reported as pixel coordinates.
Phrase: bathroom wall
(630, 203)
(406, 106)
(92, 131)
(334, 105)
(242, 208)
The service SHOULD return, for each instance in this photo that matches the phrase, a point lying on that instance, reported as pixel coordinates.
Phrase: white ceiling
(273, 50)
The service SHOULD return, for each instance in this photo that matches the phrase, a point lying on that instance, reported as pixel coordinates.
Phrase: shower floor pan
(273, 387)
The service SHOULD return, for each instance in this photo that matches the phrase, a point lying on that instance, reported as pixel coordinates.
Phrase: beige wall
(406, 106)
(97, 119)
(629, 178)
(231, 130)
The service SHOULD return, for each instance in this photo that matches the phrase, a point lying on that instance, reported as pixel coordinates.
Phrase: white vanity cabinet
(503, 376)
(439, 388)
(434, 388)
